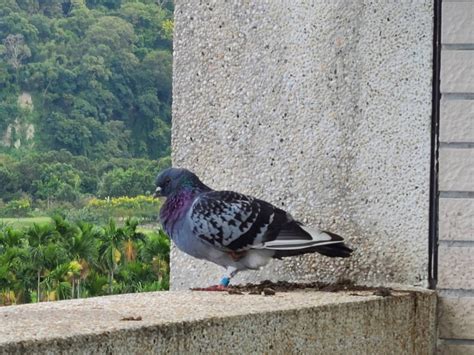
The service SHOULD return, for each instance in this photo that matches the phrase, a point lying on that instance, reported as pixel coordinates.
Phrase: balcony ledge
(213, 322)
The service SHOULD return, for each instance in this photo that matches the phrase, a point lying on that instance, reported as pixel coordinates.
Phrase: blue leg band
(225, 281)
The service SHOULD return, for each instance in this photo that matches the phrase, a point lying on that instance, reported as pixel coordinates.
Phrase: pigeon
(233, 230)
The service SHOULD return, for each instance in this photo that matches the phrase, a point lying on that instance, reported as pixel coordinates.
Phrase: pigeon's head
(175, 180)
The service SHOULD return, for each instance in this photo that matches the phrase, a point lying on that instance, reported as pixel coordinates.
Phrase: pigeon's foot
(220, 288)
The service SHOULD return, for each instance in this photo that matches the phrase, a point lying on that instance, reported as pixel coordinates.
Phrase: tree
(10, 238)
(64, 260)
(82, 248)
(8, 181)
(58, 181)
(109, 35)
(40, 238)
(99, 75)
(16, 51)
(109, 251)
(131, 237)
(130, 182)
(56, 282)
(110, 4)
(156, 251)
(15, 281)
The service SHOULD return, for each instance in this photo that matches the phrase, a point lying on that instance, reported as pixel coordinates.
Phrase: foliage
(84, 65)
(99, 76)
(15, 50)
(120, 182)
(142, 208)
(124, 202)
(65, 260)
(85, 110)
(17, 208)
(58, 177)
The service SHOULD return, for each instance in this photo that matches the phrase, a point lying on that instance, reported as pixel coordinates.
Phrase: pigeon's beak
(157, 192)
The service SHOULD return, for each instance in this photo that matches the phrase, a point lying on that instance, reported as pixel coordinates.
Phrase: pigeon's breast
(184, 238)
(173, 212)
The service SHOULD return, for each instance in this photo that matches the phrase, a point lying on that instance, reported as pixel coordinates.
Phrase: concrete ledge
(190, 322)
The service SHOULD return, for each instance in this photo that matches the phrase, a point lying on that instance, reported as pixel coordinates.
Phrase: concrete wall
(320, 107)
(219, 323)
(456, 167)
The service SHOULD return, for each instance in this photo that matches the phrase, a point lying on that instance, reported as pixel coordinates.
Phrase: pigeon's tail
(296, 239)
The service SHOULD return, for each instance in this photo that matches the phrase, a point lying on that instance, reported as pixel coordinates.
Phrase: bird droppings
(268, 291)
(269, 288)
(383, 291)
(131, 318)
(235, 292)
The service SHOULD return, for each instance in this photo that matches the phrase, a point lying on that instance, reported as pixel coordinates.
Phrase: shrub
(17, 208)
(142, 207)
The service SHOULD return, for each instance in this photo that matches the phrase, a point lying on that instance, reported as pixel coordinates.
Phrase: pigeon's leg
(231, 272)
(236, 256)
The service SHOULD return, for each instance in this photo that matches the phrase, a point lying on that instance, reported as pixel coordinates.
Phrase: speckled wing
(232, 221)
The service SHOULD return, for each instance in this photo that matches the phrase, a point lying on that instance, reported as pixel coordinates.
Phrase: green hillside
(85, 97)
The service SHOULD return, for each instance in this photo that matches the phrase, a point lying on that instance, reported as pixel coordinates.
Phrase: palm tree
(5, 283)
(131, 238)
(14, 281)
(157, 252)
(65, 229)
(39, 239)
(14, 261)
(56, 284)
(10, 238)
(24, 277)
(96, 283)
(109, 250)
(82, 248)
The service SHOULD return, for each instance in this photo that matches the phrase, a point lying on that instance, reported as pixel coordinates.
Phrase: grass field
(147, 230)
(25, 222)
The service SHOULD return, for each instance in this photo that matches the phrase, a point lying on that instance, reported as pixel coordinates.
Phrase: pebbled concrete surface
(192, 322)
(320, 107)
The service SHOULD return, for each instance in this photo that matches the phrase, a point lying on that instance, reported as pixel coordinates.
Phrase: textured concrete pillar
(320, 107)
